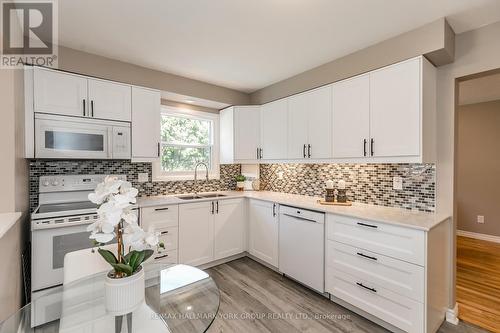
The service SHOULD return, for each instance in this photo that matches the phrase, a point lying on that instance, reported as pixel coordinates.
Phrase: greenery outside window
(187, 137)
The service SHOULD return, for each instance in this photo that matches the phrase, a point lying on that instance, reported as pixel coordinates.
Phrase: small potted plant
(240, 182)
(124, 286)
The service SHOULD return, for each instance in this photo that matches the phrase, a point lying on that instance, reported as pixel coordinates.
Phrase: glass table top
(179, 298)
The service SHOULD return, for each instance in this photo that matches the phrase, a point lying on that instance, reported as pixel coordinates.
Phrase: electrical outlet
(143, 177)
(280, 175)
(480, 219)
(397, 183)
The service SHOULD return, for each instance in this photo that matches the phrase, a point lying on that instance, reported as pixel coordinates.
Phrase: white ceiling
(479, 90)
(249, 44)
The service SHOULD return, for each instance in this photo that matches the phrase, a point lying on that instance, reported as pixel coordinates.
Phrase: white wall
(475, 51)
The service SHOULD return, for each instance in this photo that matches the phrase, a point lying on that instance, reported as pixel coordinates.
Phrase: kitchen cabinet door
(395, 108)
(196, 233)
(263, 226)
(274, 124)
(351, 117)
(59, 93)
(246, 132)
(298, 126)
(146, 121)
(229, 228)
(319, 113)
(110, 100)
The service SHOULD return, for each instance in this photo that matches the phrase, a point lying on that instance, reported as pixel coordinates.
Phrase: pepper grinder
(341, 191)
(330, 191)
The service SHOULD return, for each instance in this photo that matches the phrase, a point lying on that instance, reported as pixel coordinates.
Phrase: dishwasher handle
(301, 218)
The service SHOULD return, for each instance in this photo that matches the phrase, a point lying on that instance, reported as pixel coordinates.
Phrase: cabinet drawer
(160, 216)
(169, 237)
(386, 239)
(395, 275)
(167, 257)
(395, 309)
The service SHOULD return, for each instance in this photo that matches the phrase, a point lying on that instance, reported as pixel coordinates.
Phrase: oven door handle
(43, 226)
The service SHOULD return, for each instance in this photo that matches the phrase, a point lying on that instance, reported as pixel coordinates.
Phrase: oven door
(62, 137)
(50, 243)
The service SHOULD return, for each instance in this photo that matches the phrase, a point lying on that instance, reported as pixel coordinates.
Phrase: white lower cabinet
(196, 233)
(211, 230)
(263, 226)
(229, 228)
(165, 221)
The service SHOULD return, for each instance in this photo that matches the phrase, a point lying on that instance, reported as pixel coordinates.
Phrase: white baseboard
(452, 315)
(470, 234)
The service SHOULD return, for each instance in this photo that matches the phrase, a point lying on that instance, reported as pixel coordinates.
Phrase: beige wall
(475, 51)
(478, 166)
(14, 194)
(435, 40)
(94, 65)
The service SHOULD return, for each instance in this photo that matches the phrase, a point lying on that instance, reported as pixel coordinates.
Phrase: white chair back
(82, 263)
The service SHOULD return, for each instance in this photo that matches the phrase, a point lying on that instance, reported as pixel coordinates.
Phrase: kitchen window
(187, 137)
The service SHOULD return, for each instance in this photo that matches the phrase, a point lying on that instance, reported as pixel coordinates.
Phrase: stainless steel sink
(190, 197)
(212, 195)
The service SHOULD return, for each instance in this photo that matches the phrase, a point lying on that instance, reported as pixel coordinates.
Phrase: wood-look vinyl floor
(478, 282)
(257, 299)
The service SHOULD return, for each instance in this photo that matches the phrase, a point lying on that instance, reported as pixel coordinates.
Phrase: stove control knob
(46, 183)
(55, 183)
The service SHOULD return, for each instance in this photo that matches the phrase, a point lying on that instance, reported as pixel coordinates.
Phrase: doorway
(477, 199)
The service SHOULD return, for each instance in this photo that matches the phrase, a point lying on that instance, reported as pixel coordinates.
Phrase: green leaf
(124, 268)
(108, 256)
(147, 253)
(128, 256)
(138, 260)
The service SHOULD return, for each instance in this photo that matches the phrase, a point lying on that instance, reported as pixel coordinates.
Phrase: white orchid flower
(138, 239)
(111, 185)
(129, 216)
(101, 231)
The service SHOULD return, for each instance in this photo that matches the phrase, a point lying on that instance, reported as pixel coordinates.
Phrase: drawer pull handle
(365, 256)
(161, 257)
(160, 209)
(367, 225)
(367, 288)
(166, 232)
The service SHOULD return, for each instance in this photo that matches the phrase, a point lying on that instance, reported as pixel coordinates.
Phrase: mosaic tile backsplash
(367, 183)
(38, 168)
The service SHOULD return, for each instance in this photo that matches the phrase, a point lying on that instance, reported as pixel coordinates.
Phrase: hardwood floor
(257, 299)
(478, 282)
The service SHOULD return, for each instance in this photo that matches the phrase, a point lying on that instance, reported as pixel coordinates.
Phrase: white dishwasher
(301, 246)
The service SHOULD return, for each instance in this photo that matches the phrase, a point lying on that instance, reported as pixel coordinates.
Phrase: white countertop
(399, 216)
(7, 221)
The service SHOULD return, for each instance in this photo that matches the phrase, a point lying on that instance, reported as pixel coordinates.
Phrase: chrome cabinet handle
(304, 151)
(261, 153)
(217, 207)
(367, 288)
(274, 210)
(257, 153)
(163, 232)
(160, 209)
(364, 147)
(213, 208)
(92, 108)
(371, 146)
(309, 151)
(158, 149)
(161, 257)
(84, 107)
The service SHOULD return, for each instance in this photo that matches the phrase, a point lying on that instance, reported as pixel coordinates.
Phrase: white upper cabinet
(240, 134)
(109, 100)
(274, 125)
(68, 94)
(59, 93)
(145, 123)
(395, 109)
(310, 124)
(351, 117)
(320, 122)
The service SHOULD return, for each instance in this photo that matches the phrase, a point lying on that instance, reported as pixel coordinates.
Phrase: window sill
(181, 177)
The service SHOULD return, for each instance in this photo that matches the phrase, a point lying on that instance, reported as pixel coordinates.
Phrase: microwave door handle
(110, 142)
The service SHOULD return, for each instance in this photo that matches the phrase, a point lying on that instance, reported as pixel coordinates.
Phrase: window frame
(214, 172)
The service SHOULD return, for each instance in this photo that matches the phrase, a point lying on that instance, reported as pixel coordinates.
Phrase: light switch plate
(397, 183)
(143, 177)
(480, 219)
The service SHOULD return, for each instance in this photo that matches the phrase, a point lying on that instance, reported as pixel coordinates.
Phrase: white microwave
(81, 138)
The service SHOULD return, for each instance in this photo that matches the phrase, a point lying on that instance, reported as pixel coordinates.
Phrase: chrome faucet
(196, 176)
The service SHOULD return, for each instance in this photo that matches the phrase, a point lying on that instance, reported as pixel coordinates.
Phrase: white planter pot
(240, 185)
(124, 295)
